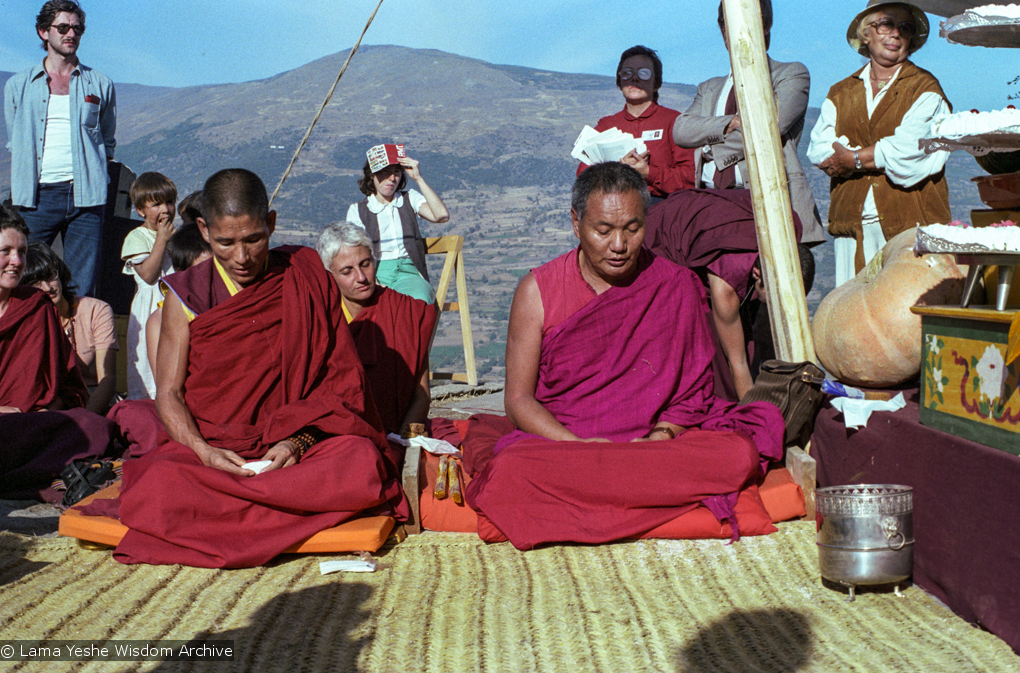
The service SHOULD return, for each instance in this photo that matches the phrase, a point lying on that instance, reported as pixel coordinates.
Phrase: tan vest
(898, 208)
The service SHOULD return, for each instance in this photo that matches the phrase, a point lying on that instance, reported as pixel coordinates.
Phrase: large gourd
(865, 334)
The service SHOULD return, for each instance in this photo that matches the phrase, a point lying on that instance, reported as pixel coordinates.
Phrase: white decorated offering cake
(957, 237)
(972, 123)
(977, 132)
(985, 26)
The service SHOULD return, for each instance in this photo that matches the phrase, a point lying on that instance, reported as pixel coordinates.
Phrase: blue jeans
(82, 230)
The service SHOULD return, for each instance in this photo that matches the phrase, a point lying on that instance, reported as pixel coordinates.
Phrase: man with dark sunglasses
(61, 117)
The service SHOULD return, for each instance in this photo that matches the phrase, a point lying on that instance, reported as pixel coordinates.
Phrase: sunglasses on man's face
(62, 28)
(643, 74)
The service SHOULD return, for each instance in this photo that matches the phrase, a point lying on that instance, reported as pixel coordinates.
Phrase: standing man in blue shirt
(61, 118)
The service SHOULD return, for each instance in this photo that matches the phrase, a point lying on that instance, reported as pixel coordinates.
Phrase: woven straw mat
(448, 602)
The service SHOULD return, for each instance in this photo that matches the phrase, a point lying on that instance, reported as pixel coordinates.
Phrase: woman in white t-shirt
(389, 216)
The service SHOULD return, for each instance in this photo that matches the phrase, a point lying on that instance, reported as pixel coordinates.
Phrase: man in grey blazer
(712, 126)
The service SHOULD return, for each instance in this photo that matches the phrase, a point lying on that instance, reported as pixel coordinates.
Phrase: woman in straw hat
(866, 138)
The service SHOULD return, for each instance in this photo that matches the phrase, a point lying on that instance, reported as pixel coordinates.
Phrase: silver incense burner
(865, 534)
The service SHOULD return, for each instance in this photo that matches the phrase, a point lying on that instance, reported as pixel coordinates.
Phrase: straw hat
(920, 21)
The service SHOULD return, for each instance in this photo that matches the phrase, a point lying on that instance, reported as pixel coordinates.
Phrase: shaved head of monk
(237, 223)
(609, 206)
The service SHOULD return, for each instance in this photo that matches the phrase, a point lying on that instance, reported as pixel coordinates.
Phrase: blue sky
(217, 41)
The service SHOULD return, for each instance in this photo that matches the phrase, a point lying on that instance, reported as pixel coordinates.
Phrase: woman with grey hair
(866, 138)
(392, 331)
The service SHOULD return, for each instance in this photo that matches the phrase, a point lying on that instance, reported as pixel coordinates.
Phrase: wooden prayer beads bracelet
(303, 440)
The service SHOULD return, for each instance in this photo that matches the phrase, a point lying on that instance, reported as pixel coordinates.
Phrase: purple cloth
(967, 545)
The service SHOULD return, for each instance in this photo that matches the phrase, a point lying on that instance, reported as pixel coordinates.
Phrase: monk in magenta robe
(392, 331)
(609, 385)
(42, 427)
(254, 363)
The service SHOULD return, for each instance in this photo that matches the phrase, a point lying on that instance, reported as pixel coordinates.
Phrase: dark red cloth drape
(392, 337)
(37, 368)
(37, 364)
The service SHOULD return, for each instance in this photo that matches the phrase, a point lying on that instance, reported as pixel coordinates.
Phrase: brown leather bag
(794, 387)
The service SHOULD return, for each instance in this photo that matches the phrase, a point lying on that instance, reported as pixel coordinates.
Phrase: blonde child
(144, 253)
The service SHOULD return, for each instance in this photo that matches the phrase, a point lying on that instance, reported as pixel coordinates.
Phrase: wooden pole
(773, 216)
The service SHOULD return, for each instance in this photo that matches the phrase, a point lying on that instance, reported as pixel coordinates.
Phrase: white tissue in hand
(257, 466)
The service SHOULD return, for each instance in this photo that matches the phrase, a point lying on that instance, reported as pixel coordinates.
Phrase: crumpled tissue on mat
(857, 412)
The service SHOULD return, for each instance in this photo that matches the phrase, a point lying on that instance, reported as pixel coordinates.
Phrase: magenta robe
(628, 358)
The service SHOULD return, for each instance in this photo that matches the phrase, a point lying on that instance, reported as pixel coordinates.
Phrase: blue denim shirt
(92, 101)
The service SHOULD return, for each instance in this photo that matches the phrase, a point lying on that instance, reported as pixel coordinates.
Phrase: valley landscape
(493, 140)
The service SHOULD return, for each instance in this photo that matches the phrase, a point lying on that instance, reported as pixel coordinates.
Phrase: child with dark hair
(144, 253)
(190, 208)
(87, 322)
(187, 247)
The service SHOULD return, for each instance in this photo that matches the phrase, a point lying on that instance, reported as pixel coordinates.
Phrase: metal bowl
(865, 534)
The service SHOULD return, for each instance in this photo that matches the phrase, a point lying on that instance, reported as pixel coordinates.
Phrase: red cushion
(700, 523)
(782, 496)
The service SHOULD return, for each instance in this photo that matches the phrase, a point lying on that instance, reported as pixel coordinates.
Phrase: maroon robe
(711, 231)
(392, 336)
(37, 368)
(631, 356)
(262, 365)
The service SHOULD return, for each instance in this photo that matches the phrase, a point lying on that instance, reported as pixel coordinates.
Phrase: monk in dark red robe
(392, 331)
(254, 363)
(609, 384)
(712, 232)
(42, 427)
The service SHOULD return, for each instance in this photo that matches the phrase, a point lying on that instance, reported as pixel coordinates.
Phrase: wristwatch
(857, 161)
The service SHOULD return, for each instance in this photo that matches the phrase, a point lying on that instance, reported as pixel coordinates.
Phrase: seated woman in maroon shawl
(392, 331)
(609, 355)
(40, 387)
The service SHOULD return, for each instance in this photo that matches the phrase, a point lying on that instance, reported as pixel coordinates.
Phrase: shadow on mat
(316, 629)
(13, 564)
(777, 640)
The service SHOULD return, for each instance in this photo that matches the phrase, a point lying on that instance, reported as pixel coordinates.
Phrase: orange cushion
(752, 512)
(443, 515)
(782, 496)
(362, 534)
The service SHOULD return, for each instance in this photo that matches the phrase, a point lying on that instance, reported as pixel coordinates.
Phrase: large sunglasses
(885, 26)
(62, 28)
(627, 74)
